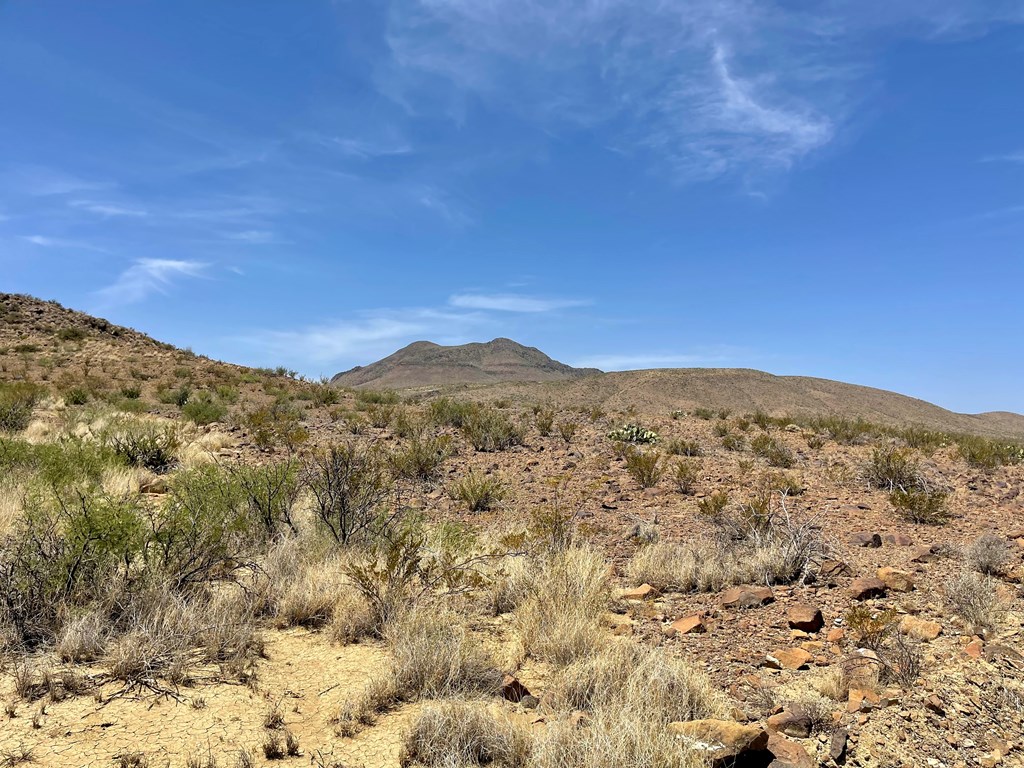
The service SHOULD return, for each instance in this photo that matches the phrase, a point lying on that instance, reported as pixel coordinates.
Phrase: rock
(920, 629)
(513, 690)
(924, 555)
(974, 649)
(529, 701)
(899, 539)
(895, 579)
(788, 658)
(831, 569)
(793, 721)
(686, 626)
(934, 704)
(155, 484)
(837, 746)
(836, 635)
(805, 617)
(865, 587)
(723, 741)
(643, 592)
(788, 753)
(862, 700)
(746, 597)
(864, 539)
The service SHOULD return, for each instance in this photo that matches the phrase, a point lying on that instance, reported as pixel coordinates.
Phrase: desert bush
(380, 414)
(489, 430)
(891, 468)
(77, 396)
(203, 409)
(559, 620)
(720, 429)
(973, 597)
(988, 554)
(144, 444)
(680, 447)
(769, 448)
(843, 430)
(684, 475)
(785, 484)
(279, 424)
(270, 491)
(377, 397)
(707, 414)
(567, 430)
(987, 453)
(633, 433)
(711, 506)
(733, 442)
(83, 638)
(421, 458)
(351, 488)
(17, 402)
(465, 733)
(408, 426)
(645, 467)
(478, 491)
(447, 412)
(178, 396)
(921, 505)
(544, 420)
(899, 658)
(131, 392)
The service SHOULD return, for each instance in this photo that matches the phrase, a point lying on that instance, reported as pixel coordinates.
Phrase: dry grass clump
(465, 733)
(988, 554)
(351, 618)
(310, 597)
(83, 638)
(559, 621)
(973, 597)
(433, 656)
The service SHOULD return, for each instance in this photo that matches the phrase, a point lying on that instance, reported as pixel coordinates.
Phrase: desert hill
(504, 369)
(425, 364)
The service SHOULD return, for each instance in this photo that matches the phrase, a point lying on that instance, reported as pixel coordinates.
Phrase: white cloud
(107, 209)
(1010, 157)
(511, 302)
(366, 150)
(254, 236)
(44, 241)
(147, 276)
(652, 360)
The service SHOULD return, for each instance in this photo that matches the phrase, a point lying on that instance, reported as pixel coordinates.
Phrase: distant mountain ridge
(426, 364)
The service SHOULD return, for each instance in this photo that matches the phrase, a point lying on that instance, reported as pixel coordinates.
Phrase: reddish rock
(722, 740)
(792, 721)
(862, 700)
(805, 617)
(831, 569)
(899, 539)
(934, 704)
(686, 626)
(864, 539)
(974, 649)
(746, 597)
(895, 579)
(920, 629)
(788, 753)
(865, 587)
(643, 592)
(788, 658)
(836, 635)
(924, 555)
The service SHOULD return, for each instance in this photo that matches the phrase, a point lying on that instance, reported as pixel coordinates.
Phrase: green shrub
(633, 433)
(645, 467)
(567, 430)
(421, 458)
(892, 468)
(988, 454)
(372, 397)
(351, 487)
(489, 430)
(144, 444)
(680, 447)
(131, 392)
(17, 402)
(76, 396)
(713, 505)
(921, 506)
(203, 409)
(270, 492)
(446, 412)
(545, 421)
(777, 454)
(477, 491)
(278, 424)
(704, 413)
(733, 442)
(70, 334)
(684, 475)
(178, 397)
(380, 414)
(843, 430)
(721, 429)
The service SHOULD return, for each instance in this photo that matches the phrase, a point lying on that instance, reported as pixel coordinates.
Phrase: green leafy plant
(633, 433)
(645, 467)
(478, 491)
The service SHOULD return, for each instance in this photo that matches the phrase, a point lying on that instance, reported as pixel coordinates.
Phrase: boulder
(725, 742)
(865, 587)
(746, 597)
(805, 617)
(643, 592)
(920, 629)
(895, 579)
(788, 658)
(686, 625)
(864, 539)
(792, 721)
(788, 753)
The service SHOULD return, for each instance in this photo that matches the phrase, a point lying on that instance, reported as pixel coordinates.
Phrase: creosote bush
(350, 486)
(921, 505)
(769, 448)
(489, 430)
(17, 401)
(478, 491)
(645, 467)
(684, 475)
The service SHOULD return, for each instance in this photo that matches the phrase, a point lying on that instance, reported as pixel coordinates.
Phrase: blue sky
(832, 189)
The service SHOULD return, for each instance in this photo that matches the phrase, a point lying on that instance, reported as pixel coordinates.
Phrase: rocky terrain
(204, 565)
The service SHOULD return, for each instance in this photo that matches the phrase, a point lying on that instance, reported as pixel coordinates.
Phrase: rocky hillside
(425, 364)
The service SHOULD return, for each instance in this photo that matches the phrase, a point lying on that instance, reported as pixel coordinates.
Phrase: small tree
(350, 486)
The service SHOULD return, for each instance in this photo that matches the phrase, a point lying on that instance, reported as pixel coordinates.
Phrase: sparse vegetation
(478, 491)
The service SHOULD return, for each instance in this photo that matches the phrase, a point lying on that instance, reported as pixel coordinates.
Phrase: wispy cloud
(365, 149)
(108, 209)
(1009, 157)
(44, 241)
(39, 181)
(512, 302)
(630, 362)
(253, 236)
(147, 276)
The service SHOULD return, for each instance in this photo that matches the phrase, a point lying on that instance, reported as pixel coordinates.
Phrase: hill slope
(425, 364)
(744, 391)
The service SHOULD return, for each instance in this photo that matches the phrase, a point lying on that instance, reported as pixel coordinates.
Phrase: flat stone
(788, 753)
(895, 579)
(723, 741)
(865, 587)
(643, 592)
(805, 617)
(746, 597)
(686, 626)
(920, 629)
(788, 658)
